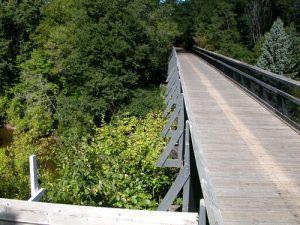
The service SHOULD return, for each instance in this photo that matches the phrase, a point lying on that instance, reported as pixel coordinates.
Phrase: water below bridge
(6, 134)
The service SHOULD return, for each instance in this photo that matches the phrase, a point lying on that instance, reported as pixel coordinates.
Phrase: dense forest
(81, 86)
(241, 29)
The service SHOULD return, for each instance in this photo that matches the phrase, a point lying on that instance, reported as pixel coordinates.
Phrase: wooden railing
(36, 213)
(181, 149)
(280, 94)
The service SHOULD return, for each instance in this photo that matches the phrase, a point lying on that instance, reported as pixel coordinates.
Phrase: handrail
(184, 141)
(176, 88)
(278, 93)
(276, 80)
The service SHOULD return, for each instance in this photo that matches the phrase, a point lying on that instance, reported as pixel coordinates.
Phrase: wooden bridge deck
(247, 158)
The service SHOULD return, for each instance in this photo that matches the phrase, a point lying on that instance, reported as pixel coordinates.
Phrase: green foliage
(143, 102)
(114, 168)
(3, 106)
(90, 55)
(295, 56)
(18, 19)
(14, 169)
(237, 51)
(289, 11)
(65, 67)
(13, 184)
(182, 15)
(277, 50)
(257, 49)
(216, 29)
(235, 28)
(31, 110)
(215, 25)
(14, 163)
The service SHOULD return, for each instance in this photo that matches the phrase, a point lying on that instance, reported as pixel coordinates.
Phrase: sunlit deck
(248, 159)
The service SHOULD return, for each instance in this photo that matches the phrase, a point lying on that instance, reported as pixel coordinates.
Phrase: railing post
(202, 213)
(33, 174)
(187, 186)
(36, 193)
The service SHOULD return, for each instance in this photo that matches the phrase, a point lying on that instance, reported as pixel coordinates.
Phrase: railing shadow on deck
(8, 218)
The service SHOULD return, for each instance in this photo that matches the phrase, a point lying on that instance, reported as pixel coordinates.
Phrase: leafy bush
(116, 167)
(13, 183)
(14, 163)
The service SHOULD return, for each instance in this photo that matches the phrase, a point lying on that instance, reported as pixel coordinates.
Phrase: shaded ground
(6, 134)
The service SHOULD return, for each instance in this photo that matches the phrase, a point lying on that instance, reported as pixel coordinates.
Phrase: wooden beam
(37, 196)
(21, 212)
(202, 213)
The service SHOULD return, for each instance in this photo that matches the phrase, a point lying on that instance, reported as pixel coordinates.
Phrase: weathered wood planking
(24, 212)
(247, 158)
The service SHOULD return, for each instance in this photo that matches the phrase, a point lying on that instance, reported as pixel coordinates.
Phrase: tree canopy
(236, 28)
(72, 73)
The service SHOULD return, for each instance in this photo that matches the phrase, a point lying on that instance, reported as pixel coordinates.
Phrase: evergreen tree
(277, 50)
(295, 38)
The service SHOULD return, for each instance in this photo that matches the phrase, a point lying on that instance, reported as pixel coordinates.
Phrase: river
(6, 134)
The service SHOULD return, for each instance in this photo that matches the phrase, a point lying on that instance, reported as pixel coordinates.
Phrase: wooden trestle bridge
(234, 135)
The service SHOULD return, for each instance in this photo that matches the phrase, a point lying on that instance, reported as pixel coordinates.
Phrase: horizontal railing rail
(37, 213)
(278, 93)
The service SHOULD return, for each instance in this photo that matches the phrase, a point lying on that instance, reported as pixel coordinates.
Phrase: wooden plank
(59, 214)
(261, 216)
(263, 204)
(230, 222)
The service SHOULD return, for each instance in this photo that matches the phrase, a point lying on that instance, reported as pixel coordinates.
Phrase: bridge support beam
(177, 137)
(173, 153)
(182, 182)
(174, 190)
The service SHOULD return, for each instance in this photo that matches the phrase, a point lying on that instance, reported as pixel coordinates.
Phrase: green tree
(295, 38)
(90, 58)
(216, 29)
(277, 50)
(183, 16)
(96, 53)
(33, 105)
(289, 11)
(18, 19)
(258, 15)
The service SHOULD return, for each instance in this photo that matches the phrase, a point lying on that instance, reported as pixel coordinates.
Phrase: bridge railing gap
(280, 94)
